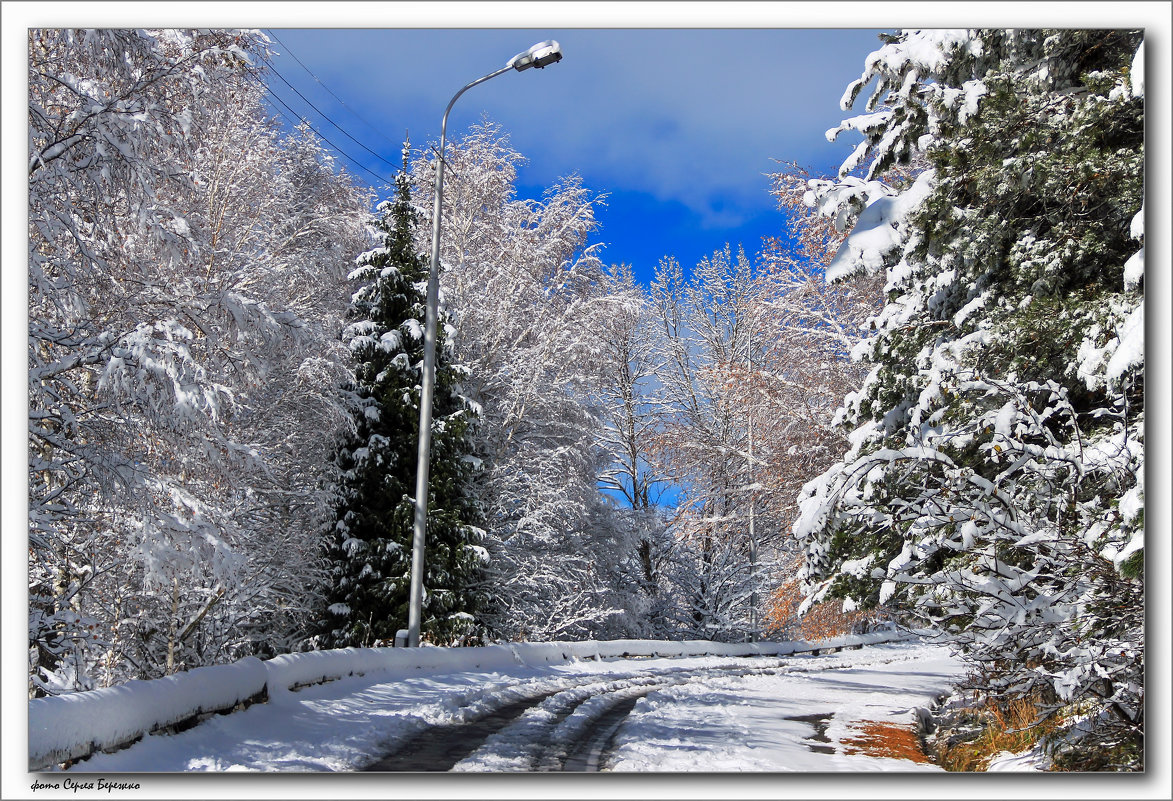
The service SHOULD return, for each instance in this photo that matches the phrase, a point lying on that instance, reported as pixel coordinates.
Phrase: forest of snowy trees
(923, 401)
(184, 260)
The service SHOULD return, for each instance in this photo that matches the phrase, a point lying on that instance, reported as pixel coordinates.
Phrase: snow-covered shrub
(994, 486)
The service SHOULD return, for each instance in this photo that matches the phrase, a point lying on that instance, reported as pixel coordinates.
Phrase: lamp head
(539, 56)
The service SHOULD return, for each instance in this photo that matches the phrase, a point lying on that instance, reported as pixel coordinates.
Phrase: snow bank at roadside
(73, 726)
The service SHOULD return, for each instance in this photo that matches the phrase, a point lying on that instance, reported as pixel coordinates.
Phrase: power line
(355, 113)
(381, 179)
(327, 117)
(301, 119)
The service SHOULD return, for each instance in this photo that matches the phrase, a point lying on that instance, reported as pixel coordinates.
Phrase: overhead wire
(326, 116)
(288, 51)
(298, 119)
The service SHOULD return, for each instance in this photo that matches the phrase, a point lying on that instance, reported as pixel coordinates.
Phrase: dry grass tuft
(886, 739)
(1012, 727)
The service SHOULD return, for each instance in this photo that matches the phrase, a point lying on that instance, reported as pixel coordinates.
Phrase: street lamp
(753, 540)
(540, 55)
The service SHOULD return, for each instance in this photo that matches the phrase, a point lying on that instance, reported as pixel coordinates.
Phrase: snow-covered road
(799, 713)
(803, 718)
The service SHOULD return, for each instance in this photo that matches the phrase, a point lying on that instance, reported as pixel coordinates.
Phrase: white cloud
(693, 116)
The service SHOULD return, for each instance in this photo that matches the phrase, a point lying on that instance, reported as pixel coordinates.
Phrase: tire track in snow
(439, 746)
(563, 729)
(590, 751)
(573, 730)
(582, 740)
(442, 745)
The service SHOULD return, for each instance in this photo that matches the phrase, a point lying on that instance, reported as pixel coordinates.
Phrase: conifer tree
(369, 547)
(995, 484)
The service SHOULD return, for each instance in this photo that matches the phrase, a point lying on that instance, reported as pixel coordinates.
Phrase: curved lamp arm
(540, 55)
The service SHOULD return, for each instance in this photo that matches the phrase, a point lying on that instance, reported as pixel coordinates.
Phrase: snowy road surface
(799, 713)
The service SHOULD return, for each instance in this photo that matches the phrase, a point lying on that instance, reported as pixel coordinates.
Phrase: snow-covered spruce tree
(994, 488)
(522, 283)
(369, 546)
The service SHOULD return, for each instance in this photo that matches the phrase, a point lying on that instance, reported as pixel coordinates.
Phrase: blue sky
(677, 126)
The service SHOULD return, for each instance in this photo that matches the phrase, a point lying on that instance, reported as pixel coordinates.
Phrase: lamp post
(540, 55)
(753, 541)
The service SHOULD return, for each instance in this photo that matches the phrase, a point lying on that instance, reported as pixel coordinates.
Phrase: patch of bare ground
(878, 738)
